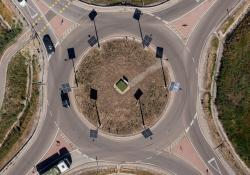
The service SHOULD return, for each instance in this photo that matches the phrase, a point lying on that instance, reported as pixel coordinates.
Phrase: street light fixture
(92, 16)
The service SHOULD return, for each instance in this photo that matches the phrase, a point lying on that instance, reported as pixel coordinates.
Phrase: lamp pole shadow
(96, 33)
(139, 23)
(98, 116)
(142, 117)
(73, 63)
(163, 73)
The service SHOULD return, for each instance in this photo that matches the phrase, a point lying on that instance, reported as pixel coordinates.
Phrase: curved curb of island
(92, 166)
(123, 8)
(125, 4)
(110, 135)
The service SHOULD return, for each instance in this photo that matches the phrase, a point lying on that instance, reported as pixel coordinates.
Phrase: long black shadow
(141, 33)
(163, 73)
(98, 116)
(73, 63)
(96, 33)
(142, 117)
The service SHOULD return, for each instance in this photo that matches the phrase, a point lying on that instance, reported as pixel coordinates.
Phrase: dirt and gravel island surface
(119, 112)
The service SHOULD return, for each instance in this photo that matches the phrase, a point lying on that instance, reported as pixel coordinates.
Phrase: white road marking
(164, 21)
(149, 158)
(193, 59)
(215, 165)
(157, 17)
(49, 57)
(158, 152)
(151, 14)
(195, 116)
(187, 129)
(56, 44)
(192, 122)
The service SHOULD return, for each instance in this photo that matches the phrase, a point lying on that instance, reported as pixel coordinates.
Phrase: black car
(65, 99)
(48, 44)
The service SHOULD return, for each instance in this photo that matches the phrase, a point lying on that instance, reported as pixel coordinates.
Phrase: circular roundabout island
(121, 87)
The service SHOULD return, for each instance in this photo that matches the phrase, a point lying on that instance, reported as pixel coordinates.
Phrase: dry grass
(6, 13)
(120, 113)
(21, 132)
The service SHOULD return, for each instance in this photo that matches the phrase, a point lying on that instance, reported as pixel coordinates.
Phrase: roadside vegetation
(233, 95)
(6, 13)
(15, 94)
(134, 2)
(20, 104)
(230, 20)
(9, 27)
(210, 69)
(8, 36)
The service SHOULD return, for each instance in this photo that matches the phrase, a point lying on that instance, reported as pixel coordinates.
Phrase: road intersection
(69, 26)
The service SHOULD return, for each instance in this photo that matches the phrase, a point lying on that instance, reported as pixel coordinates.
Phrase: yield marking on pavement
(213, 163)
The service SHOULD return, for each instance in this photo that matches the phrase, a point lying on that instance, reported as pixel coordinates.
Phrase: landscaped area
(233, 97)
(9, 27)
(132, 2)
(20, 103)
(120, 112)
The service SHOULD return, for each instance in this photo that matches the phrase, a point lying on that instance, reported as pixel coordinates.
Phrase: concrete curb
(132, 165)
(124, 3)
(157, 8)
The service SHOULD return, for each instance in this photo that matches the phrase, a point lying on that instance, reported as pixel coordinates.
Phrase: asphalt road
(180, 113)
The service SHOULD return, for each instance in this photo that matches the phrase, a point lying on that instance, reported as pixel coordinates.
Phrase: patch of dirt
(101, 69)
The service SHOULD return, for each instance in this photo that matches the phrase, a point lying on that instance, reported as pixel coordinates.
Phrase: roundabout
(179, 118)
(122, 63)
